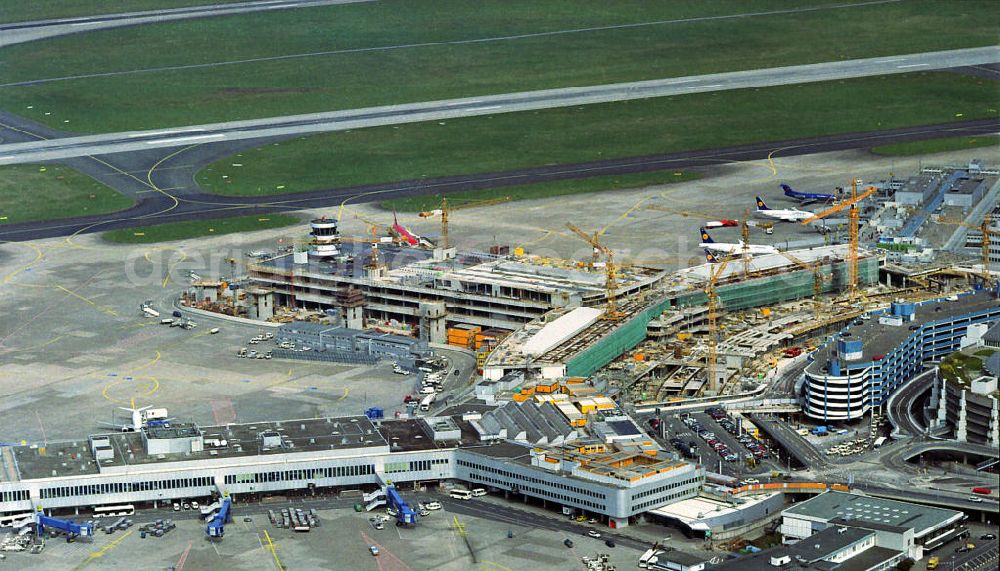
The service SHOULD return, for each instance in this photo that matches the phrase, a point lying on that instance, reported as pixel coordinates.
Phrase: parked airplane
(807, 197)
(735, 249)
(403, 233)
(722, 223)
(786, 214)
(141, 418)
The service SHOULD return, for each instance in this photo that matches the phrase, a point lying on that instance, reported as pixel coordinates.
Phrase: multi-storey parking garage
(862, 365)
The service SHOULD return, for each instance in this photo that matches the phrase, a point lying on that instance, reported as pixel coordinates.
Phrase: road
(293, 125)
(168, 194)
(904, 400)
(802, 450)
(20, 32)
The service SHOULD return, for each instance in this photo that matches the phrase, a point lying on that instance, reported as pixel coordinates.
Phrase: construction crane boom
(611, 313)
(447, 208)
(853, 247)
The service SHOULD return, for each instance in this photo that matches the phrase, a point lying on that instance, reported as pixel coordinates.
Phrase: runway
(165, 188)
(20, 32)
(295, 125)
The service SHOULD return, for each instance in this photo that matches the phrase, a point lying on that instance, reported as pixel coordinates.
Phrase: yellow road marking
(102, 551)
(38, 257)
(271, 548)
(107, 310)
(151, 390)
(347, 391)
(36, 347)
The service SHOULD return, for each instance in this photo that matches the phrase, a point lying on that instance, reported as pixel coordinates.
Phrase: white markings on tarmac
(162, 142)
(912, 65)
(487, 108)
(167, 132)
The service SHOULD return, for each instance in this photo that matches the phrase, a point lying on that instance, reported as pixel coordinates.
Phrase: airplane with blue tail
(807, 197)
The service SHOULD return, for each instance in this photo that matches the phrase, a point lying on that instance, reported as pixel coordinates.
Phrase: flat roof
(74, 457)
(692, 511)
(866, 509)
(879, 339)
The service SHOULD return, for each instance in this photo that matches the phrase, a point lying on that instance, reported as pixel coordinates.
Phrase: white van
(426, 390)
(478, 492)
(461, 494)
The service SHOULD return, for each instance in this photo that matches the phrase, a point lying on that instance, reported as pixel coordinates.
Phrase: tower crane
(853, 216)
(611, 313)
(447, 208)
(711, 361)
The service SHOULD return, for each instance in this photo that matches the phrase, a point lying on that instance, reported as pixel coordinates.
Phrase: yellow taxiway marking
(150, 390)
(37, 347)
(38, 258)
(102, 551)
(107, 310)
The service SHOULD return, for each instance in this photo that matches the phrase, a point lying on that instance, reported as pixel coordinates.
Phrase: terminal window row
(517, 476)
(413, 466)
(305, 474)
(669, 486)
(658, 501)
(14, 496)
(536, 491)
(124, 487)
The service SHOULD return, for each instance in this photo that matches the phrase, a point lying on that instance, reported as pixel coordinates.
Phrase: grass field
(937, 145)
(416, 50)
(197, 228)
(48, 192)
(593, 132)
(28, 10)
(542, 189)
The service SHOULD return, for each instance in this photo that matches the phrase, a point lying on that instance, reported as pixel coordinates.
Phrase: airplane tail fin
(711, 257)
(761, 205)
(705, 238)
(789, 191)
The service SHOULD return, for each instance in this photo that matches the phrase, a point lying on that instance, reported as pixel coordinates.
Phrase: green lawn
(593, 132)
(48, 192)
(542, 189)
(29, 10)
(196, 228)
(937, 145)
(431, 57)
(959, 367)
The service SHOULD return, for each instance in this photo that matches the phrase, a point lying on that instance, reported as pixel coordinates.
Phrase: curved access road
(295, 125)
(20, 32)
(166, 191)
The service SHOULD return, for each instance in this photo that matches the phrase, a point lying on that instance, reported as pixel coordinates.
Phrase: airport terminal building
(616, 481)
(858, 368)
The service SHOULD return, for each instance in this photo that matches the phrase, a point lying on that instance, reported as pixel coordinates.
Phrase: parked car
(593, 533)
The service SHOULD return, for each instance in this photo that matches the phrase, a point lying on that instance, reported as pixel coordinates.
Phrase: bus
(644, 559)
(461, 494)
(983, 491)
(427, 401)
(114, 511)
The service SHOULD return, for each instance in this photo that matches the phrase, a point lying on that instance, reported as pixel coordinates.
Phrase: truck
(819, 431)
(880, 441)
(427, 401)
(149, 311)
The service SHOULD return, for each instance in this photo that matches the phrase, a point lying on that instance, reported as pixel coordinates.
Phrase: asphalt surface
(53, 149)
(20, 32)
(903, 403)
(791, 442)
(167, 192)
